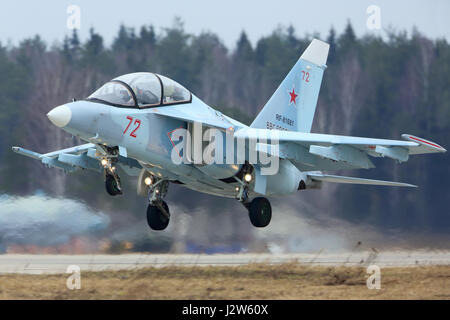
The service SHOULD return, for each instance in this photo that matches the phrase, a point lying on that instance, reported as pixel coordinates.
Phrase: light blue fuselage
(146, 138)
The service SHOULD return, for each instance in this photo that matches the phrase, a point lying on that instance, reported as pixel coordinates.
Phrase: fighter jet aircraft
(155, 129)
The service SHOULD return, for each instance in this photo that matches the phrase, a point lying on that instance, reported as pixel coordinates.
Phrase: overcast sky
(20, 19)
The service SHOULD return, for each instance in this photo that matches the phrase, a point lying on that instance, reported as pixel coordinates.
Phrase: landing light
(104, 162)
(148, 181)
(248, 177)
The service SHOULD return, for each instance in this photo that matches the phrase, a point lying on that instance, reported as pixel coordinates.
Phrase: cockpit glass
(174, 92)
(115, 93)
(146, 87)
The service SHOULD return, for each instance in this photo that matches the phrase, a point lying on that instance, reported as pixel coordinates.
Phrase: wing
(85, 156)
(312, 151)
(207, 116)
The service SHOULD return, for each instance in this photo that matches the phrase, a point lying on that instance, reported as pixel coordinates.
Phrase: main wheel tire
(260, 212)
(155, 217)
(111, 185)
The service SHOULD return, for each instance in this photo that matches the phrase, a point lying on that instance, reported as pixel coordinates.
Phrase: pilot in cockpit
(145, 97)
(141, 90)
(125, 97)
(172, 93)
(168, 92)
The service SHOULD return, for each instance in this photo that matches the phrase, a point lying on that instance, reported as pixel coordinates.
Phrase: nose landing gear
(108, 158)
(112, 179)
(112, 185)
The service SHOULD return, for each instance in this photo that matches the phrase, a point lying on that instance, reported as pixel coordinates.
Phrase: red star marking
(293, 96)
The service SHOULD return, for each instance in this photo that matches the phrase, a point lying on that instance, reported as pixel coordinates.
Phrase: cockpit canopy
(141, 90)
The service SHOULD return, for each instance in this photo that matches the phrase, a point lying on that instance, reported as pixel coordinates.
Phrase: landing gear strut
(158, 214)
(112, 185)
(259, 209)
(112, 179)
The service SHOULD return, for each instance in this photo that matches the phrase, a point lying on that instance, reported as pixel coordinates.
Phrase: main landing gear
(158, 214)
(259, 209)
(259, 212)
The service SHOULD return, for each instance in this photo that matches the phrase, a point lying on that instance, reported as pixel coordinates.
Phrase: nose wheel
(112, 179)
(108, 161)
(112, 185)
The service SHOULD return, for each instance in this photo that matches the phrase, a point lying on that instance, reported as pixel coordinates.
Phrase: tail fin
(293, 104)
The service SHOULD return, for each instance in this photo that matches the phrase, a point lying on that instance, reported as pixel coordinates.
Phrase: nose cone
(60, 116)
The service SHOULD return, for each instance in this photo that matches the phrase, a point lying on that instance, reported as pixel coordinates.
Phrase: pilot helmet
(169, 90)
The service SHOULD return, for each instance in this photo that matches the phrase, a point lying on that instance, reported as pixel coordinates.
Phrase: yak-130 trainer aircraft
(155, 129)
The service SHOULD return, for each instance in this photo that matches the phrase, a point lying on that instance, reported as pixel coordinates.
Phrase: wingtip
(424, 142)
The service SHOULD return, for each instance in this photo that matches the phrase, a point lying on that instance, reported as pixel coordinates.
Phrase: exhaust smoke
(45, 221)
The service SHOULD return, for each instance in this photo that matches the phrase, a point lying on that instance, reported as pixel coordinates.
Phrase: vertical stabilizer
(293, 104)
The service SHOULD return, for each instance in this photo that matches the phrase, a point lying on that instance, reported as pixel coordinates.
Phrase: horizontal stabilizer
(352, 180)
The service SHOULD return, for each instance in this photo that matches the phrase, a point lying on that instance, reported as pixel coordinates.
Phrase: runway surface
(50, 264)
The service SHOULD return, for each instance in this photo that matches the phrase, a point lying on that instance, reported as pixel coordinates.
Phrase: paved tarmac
(42, 264)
